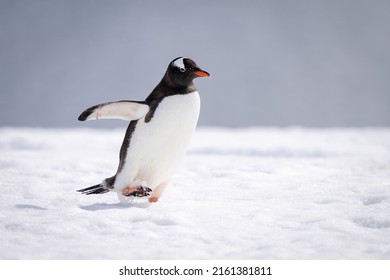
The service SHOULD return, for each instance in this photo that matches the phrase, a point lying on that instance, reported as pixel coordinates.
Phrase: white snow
(256, 193)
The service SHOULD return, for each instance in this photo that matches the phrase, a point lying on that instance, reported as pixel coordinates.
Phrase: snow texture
(256, 193)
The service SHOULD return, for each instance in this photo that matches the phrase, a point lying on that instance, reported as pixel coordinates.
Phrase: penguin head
(182, 71)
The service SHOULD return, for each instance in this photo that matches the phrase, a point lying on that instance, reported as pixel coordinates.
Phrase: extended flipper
(123, 110)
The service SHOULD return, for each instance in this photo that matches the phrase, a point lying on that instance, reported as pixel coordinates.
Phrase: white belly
(157, 147)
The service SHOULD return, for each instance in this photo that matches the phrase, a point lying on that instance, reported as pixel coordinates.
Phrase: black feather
(97, 189)
(84, 115)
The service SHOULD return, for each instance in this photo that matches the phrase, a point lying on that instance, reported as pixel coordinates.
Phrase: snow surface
(256, 193)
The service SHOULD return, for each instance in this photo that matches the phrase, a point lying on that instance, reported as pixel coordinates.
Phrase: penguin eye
(182, 69)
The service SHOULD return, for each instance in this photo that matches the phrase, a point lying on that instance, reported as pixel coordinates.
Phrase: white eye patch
(179, 63)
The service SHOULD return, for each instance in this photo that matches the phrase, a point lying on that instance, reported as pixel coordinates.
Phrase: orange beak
(201, 73)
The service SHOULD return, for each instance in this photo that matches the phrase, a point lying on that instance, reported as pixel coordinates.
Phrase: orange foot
(153, 199)
(136, 191)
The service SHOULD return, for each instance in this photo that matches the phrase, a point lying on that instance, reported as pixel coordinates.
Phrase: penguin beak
(201, 73)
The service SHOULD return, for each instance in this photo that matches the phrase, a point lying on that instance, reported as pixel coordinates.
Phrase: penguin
(157, 136)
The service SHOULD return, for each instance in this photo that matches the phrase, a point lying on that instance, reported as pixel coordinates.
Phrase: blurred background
(273, 63)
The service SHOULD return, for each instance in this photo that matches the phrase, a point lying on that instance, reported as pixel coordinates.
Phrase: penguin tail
(96, 189)
(104, 187)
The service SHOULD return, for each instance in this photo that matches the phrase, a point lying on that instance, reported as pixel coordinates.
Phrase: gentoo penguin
(158, 135)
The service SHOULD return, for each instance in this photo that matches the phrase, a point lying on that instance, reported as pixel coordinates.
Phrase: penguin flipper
(124, 110)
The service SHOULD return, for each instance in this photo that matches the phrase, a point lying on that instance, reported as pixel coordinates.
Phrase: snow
(254, 193)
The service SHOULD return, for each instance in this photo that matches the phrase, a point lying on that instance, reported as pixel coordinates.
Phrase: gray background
(273, 63)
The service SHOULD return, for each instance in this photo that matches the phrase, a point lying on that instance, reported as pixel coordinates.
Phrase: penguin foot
(153, 199)
(138, 191)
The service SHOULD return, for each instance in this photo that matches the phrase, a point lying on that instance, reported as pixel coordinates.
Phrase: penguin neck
(178, 88)
(162, 90)
(167, 88)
